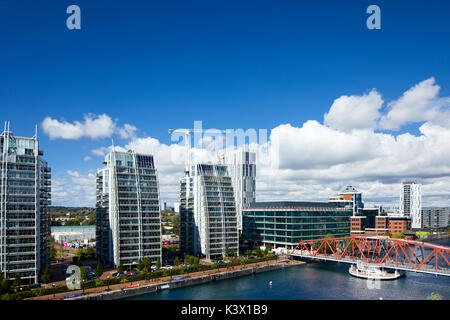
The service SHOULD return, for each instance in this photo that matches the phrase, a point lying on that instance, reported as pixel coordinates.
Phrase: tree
(4, 284)
(120, 268)
(158, 263)
(46, 276)
(268, 248)
(434, 296)
(90, 253)
(177, 261)
(98, 270)
(84, 273)
(17, 281)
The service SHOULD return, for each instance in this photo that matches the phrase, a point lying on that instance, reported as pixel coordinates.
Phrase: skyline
(348, 105)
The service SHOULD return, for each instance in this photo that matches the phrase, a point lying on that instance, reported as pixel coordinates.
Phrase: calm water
(311, 281)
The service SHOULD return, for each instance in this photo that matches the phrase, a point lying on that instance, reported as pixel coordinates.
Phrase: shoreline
(189, 280)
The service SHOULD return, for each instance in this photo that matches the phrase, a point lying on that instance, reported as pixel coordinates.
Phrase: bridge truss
(386, 252)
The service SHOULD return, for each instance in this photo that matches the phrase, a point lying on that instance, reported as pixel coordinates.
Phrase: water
(314, 281)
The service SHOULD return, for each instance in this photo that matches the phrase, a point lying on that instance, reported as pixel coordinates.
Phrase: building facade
(128, 216)
(350, 195)
(208, 222)
(435, 218)
(242, 166)
(411, 202)
(25, 195)
(286, 223)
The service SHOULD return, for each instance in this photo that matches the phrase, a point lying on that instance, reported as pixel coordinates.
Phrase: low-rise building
(286, 223)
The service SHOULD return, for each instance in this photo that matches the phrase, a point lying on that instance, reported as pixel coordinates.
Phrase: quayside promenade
(128, 289)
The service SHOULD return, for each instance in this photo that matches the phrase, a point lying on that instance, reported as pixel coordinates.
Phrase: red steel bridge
(399, 254)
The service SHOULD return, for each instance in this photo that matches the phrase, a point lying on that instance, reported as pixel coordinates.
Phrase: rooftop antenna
(112, 144)
(35, 132)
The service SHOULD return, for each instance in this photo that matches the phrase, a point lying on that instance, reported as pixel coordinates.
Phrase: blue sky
(232, 64)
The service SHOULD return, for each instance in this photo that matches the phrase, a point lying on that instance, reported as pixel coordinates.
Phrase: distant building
(350, 195)
(435, 218)
(242, 167)
(73, 234)
(208, 224)
(411, 202)
(128, 226)
(176, 207)
(286, 223)
(25, 187)
(164, 206)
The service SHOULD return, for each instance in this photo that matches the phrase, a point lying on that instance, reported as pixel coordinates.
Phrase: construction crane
(187, 142)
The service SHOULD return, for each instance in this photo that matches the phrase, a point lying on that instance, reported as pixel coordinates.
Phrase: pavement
(122, 286)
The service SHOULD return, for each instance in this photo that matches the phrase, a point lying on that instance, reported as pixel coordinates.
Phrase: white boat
(373, 272)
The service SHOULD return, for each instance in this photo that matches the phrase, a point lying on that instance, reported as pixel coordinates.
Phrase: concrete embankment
(187, 281)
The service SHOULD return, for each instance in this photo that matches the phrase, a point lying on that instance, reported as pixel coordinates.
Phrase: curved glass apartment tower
(25, 181)
(208, 222)
(127, 211)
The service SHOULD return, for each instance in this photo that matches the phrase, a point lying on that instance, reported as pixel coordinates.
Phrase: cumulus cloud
(93, 127)
(315, 160)
(354, 112)
(74, 189)
(417, 104)
(127, 131)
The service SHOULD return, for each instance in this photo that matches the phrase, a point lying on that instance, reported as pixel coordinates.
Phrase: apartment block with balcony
(128, 226)
(208, 222)
(25, 195)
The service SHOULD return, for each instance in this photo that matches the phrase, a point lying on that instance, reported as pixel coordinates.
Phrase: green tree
(84, 273)
(158, 263)
(90, 253)
(177, 261)
(98, 270)
(17, 281)
(46, 276)
(4, 284)
(434, 296)
(120, 268)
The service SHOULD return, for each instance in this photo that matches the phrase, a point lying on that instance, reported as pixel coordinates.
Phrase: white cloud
(74, 189)
(314, 160)
(87, 158)
(127, 132)
(93, 127)
(354, 112)
(417, 104)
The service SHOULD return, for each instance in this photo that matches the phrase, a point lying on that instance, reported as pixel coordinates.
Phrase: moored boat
(373, 272)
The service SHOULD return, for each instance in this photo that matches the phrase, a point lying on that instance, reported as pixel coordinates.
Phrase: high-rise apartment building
(25, 192)
(208, 222)
(435, 217)
(128, 210)
(411, 203)
(242, 167)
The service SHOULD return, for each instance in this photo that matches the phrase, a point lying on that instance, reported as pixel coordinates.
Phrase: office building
(411, 202)
(435, 217)
(208, 223)
(349, 195)
(128, 226)
(25, 192)
(242, 166)
(286, 223)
